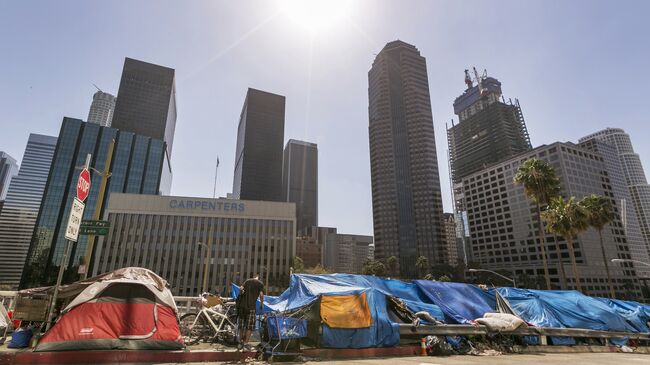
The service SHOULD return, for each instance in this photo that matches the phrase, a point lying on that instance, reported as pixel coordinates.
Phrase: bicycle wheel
(192, 329)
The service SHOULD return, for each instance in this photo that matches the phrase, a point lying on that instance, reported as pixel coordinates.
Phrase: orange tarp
(345, 311)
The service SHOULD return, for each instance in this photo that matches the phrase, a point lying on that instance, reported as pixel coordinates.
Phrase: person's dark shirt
(252, 289)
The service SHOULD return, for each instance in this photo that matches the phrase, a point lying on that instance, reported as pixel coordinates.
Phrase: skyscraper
(489, 130)
(101, 109)
(146, 101)
(19, 214)
(260, 138)
(300, 181)
(8, 169)
(638, 190)
(503, 227)
(406, 197)
(451, 239)
(137, 167)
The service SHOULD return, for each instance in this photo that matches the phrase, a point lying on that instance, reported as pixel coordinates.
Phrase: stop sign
(83, 185)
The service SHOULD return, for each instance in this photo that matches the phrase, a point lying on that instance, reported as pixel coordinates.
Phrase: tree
(391, 262)
(444, 278)
(540, 185)
(422, 265)
(373, 267)
(599, 214)
(318, 269)
(429, 277)
(298, 265)
(567, 219)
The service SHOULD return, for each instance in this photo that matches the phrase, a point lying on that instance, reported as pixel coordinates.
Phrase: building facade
(489, 130)
(102, 109)
(18, 216)
(503, 225)
(346, 253)
(638, 197)
(137, 167)
(146, 101)
(8, 169)
(260, 139)
(406, 197)
(451, 239)
(171, 236)
(300, 181)
(310, 245)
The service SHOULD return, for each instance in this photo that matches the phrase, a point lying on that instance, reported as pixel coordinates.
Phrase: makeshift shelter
(130, 308)
(636, 314)
(461, 303)
(352, 310)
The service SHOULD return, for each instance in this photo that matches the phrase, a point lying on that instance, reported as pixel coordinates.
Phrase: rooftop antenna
(97, 87)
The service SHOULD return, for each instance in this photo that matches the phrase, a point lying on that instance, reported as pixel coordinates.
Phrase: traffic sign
(83, 185)
(93, 231)
(74, 221)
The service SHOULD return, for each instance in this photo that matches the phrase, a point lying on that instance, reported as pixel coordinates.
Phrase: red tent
(130, 308)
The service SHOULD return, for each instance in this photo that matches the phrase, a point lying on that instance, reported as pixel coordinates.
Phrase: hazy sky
(576, 67)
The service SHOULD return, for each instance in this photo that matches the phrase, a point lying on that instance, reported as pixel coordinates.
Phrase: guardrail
(407, 330)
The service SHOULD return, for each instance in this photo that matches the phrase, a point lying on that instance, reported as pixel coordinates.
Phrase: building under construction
(489, 128)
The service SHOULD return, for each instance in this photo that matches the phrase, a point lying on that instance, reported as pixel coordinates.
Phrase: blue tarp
(305, 289)
(461, 303)
(565, 309)
(636, 314)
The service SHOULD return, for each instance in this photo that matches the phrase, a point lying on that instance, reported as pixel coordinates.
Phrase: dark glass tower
(406, 197)
(137, 167)
(258, 158)
(146, 101)
(489, 130)
(19, 214)
(300, 182)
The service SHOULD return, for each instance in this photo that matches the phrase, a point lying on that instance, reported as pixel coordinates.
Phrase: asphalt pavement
(511, 359)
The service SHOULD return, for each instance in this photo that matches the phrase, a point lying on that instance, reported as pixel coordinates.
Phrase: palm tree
(599, 214)
(540, 185)
(422, 264)
(391, 262)
(566, 219)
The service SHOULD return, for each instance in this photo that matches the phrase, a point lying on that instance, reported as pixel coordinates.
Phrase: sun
(315, 15)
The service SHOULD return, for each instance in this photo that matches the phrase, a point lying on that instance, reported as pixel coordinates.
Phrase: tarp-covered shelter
(564, 309)
(461, 303)
(130, 308)
(353, 309)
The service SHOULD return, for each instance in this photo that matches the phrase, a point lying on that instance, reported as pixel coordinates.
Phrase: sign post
(72, 230)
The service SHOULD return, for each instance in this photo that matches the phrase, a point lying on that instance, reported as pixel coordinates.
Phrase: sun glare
(315, 15)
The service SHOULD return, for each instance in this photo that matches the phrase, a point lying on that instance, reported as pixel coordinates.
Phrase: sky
(575, 66)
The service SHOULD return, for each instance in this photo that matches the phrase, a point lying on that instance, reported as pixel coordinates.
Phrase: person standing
(252, 289)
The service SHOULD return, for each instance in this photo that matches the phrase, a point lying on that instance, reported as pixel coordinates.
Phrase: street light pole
(645, 281)
(514, 283)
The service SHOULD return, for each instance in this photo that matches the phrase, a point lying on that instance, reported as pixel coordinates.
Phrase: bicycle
(213, 323)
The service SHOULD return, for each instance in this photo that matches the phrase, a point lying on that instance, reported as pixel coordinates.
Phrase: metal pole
(208, 253)
(216, 171)
(98, 207)
(64, 263)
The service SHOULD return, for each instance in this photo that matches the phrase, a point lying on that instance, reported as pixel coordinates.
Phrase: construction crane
(479, 81)
(468, 80)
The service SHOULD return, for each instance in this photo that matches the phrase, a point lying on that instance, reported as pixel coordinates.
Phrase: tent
(130, 308)
(351, 310)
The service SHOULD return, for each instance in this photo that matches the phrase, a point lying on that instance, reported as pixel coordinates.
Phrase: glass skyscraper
(137, 167)
(406, 197)
(300, 182)
(19, 214)
(258, 158)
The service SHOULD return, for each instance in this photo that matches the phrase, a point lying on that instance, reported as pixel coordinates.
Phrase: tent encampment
(130, 308)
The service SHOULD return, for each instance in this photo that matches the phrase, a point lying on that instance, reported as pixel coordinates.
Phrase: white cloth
(501, 322)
